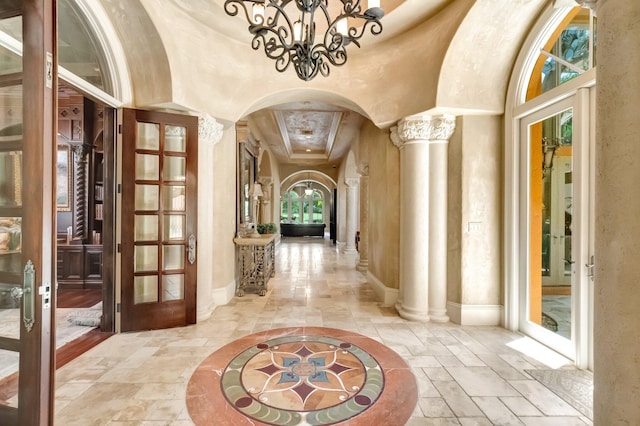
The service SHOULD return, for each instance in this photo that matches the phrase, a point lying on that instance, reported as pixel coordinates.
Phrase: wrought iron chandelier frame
(291, 42)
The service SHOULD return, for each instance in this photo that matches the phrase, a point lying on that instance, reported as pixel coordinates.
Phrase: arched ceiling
(431, 54)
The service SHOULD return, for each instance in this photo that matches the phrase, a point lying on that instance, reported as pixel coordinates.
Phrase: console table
(256, 262)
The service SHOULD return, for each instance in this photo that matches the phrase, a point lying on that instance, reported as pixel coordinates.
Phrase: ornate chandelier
(294, 42)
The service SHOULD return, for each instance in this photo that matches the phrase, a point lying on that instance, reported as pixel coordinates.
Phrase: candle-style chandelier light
(287, 30)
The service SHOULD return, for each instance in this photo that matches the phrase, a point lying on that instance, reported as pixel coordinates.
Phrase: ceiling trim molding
(335, 123)
(336, 119)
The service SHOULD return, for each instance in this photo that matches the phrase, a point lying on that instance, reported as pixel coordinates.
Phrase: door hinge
(118, 307)
(119, 129)
(119, 188)
(118, 247)
(590, 267)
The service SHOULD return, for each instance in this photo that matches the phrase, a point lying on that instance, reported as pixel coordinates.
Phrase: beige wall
(384, 205)
(474, 213)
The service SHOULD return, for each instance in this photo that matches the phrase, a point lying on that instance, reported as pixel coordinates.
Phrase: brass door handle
(192, 249)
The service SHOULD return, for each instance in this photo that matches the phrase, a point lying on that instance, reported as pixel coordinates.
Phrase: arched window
(296, 206)
(569, 52)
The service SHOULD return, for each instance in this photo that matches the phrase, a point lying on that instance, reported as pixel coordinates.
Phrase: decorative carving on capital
(423, 129)
(209, 130)
(363, 169)
(352, 182)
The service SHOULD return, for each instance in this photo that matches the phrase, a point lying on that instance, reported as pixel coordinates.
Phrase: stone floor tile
(481, 381)
(496, 411)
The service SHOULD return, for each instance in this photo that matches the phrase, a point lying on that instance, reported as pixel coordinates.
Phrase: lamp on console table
(255, 192)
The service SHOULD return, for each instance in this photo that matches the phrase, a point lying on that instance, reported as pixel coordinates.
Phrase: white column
(413, 136)
(363, 246)
(352, 214)
(209, 134)
(616, 368)
(438, 231)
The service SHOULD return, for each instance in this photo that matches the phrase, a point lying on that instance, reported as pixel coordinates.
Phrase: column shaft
(363, 245)
(352, 216)
(438, 232)
(413, 300)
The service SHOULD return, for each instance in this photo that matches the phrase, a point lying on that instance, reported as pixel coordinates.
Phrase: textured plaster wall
(474, 211)
(617, 230)
(384, 205)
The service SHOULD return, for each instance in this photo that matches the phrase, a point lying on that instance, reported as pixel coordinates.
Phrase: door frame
(580, 97)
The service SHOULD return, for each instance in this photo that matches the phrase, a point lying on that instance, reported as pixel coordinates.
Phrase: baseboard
(219, 297)
(475, 314)
(388, 296)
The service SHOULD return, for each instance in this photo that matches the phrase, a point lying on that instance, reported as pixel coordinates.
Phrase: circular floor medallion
(302, 376)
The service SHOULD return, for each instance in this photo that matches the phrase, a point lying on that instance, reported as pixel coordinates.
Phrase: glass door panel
(11, 210)
(547, 305)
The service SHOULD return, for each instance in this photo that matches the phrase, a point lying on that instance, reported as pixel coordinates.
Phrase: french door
(158, 225)
(557, 225)
(28, 87)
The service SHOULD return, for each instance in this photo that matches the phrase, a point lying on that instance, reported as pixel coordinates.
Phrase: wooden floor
(67, 353)
(78, 298)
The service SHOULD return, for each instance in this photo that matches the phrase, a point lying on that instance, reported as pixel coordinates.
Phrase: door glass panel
(146, 228)
(175, 138)
(550, 226)
(148, 136)
(175, 168)
(173, 287)
(174, 198)
(145, 289)
(147, 167)
(147, 197)
(11, 166)
(146, 258)
(172, 257)
(11, 208)
(174, 227)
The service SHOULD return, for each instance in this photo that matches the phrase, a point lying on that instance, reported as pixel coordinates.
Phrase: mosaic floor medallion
(302, 376)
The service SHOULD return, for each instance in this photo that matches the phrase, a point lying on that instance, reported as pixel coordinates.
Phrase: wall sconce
(549, 146)
(255, 192)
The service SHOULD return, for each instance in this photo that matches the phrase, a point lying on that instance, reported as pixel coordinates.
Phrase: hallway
(466, 375)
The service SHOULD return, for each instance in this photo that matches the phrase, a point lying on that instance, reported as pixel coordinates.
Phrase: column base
(363, 266)
(412, 314)
(438, 315)
(350, 250)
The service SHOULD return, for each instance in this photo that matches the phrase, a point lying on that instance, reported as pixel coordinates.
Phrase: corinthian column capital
(351, 182)
(209, 130)
(423, 129)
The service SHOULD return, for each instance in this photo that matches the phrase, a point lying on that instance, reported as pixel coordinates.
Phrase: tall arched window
(298, 206)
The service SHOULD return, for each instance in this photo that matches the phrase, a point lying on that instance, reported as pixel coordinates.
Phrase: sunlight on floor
(539, 352)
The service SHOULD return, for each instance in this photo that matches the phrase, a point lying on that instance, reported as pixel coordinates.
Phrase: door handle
(27, 294)
(569, 261)
(192, 249)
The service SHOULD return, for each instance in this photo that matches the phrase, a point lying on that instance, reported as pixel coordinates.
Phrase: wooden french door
(159, 211)
(28, 87)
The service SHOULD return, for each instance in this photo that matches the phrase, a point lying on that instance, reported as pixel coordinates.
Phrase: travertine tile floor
(466, 375)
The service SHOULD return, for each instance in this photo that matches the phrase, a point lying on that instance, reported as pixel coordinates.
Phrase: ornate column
(616, 369)
(442, 130)
(352, 217)
(363, 245)
(413, 136)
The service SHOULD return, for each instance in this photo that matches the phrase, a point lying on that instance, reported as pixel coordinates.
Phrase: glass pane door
(547, 311)
(11, 192)
(159, 220)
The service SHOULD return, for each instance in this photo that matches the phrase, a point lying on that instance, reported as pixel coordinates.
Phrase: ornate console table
(256, 259)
